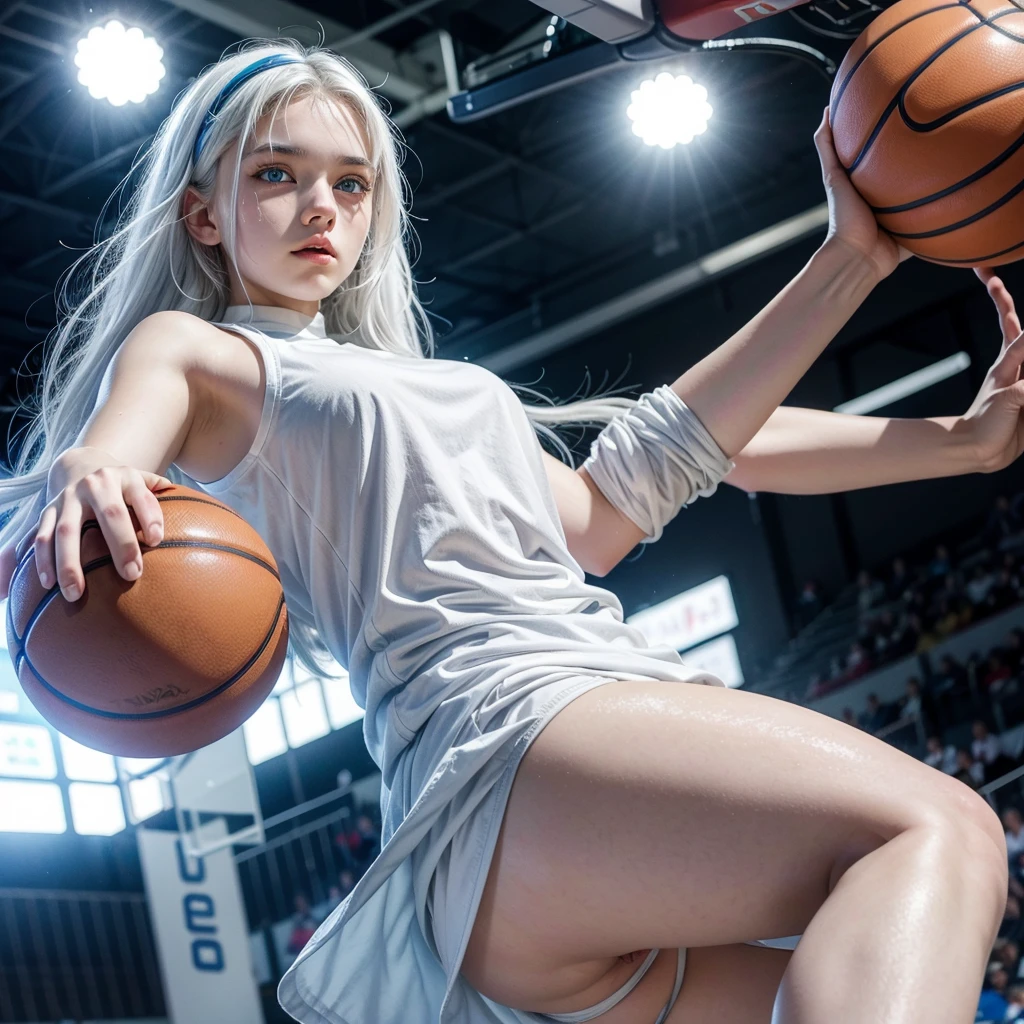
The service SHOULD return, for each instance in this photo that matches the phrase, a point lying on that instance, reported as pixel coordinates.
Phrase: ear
(198, 221)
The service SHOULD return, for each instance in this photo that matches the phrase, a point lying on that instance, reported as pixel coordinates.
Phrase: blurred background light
(668, 110)
(119, 64)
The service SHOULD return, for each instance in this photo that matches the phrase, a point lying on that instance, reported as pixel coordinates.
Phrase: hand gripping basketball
(153, 664)
(89, 483)
(851, 222)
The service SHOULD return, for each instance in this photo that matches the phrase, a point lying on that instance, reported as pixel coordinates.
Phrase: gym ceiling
(527, 219)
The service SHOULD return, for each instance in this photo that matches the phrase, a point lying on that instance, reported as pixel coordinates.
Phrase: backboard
(216, 781)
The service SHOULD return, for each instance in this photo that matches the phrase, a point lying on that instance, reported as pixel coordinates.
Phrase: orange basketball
(165, 664)
(927, 113)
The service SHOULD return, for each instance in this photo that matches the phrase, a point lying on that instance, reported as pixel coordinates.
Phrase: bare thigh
(660, 814)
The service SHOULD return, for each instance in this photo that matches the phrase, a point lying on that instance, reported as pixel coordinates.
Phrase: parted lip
(320, 241)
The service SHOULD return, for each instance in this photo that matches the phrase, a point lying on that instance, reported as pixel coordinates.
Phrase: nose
(320, 204)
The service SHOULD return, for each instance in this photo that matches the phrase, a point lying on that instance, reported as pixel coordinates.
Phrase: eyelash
(276, 167)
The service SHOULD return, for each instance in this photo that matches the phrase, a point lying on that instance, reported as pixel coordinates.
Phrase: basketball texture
(927, 113)
(165, 664)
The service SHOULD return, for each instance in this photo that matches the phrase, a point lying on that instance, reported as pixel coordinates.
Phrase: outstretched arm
(809, 451)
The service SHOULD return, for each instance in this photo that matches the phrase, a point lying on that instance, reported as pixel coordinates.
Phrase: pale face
(307, 174)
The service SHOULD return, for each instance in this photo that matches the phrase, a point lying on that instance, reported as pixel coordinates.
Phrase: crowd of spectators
(934, 702)
(1002, 994)
(358, 847)
(913, 607)
(909, 611)
(951, 686)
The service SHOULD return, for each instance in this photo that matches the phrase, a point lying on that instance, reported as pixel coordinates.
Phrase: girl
(562, 818)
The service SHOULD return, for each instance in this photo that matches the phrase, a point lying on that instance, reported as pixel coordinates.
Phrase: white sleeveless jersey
(406, 503)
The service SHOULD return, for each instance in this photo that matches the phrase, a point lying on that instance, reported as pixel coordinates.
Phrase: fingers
(42, 544)
(58, 547)
(826, 148)
(109, 494)
(1009, 321)
(111, 491)
(1007, 368)
(147, 510)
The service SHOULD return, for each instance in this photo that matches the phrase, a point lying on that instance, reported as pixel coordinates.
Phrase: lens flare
(669, 109)
(119, 64)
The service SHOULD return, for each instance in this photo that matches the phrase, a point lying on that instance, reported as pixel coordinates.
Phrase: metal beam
(463, 138)
(44, 257)
(41, 89)
(442, 195)
(10, 325)
(115, 156)
(272, 18)
(383, 24)
(21, 79)
(428, 104)
(39, 154)
(31, 40)
(86, 220)
(484, 251)
(502, 162)
(661, 289)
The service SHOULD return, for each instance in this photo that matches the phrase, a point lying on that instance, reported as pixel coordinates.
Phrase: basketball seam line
(90, 524)
(967, 221)
(878, 42)
(23, 658)
(969, 180)
(108, 559)
(973, 261)
(896, 101)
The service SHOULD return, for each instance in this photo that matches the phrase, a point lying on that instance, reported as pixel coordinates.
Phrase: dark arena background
(559, 251)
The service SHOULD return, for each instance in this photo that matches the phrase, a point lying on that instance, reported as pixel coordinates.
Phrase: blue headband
(273, 61)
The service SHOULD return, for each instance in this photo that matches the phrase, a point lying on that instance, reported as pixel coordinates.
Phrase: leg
(725, 984)
(663, 814)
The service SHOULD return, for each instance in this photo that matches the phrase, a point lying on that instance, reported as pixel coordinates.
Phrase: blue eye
(352, 180)
(268, 170)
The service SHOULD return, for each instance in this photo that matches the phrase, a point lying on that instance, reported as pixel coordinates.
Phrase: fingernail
(44, 578)
(133, 570)
(73, 593)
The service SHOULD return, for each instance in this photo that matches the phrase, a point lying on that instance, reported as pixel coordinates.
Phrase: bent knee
(970, 848)
(963, 825)
(965, 808)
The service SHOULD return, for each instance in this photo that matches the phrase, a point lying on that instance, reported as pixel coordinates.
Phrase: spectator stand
(1002, 995)
(888, 683)
(874, 623)
(293, 881)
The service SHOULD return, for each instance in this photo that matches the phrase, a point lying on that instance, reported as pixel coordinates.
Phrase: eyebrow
(275, 147)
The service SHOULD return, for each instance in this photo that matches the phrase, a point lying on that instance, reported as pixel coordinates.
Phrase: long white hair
(150, 262)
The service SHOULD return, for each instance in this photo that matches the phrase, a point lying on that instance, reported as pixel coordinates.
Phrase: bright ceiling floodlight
(119, 64)
(669, 109)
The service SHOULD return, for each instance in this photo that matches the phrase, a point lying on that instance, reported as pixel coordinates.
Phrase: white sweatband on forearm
(655, 458)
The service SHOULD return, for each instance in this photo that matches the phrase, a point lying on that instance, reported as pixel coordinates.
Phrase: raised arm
(735, 389)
